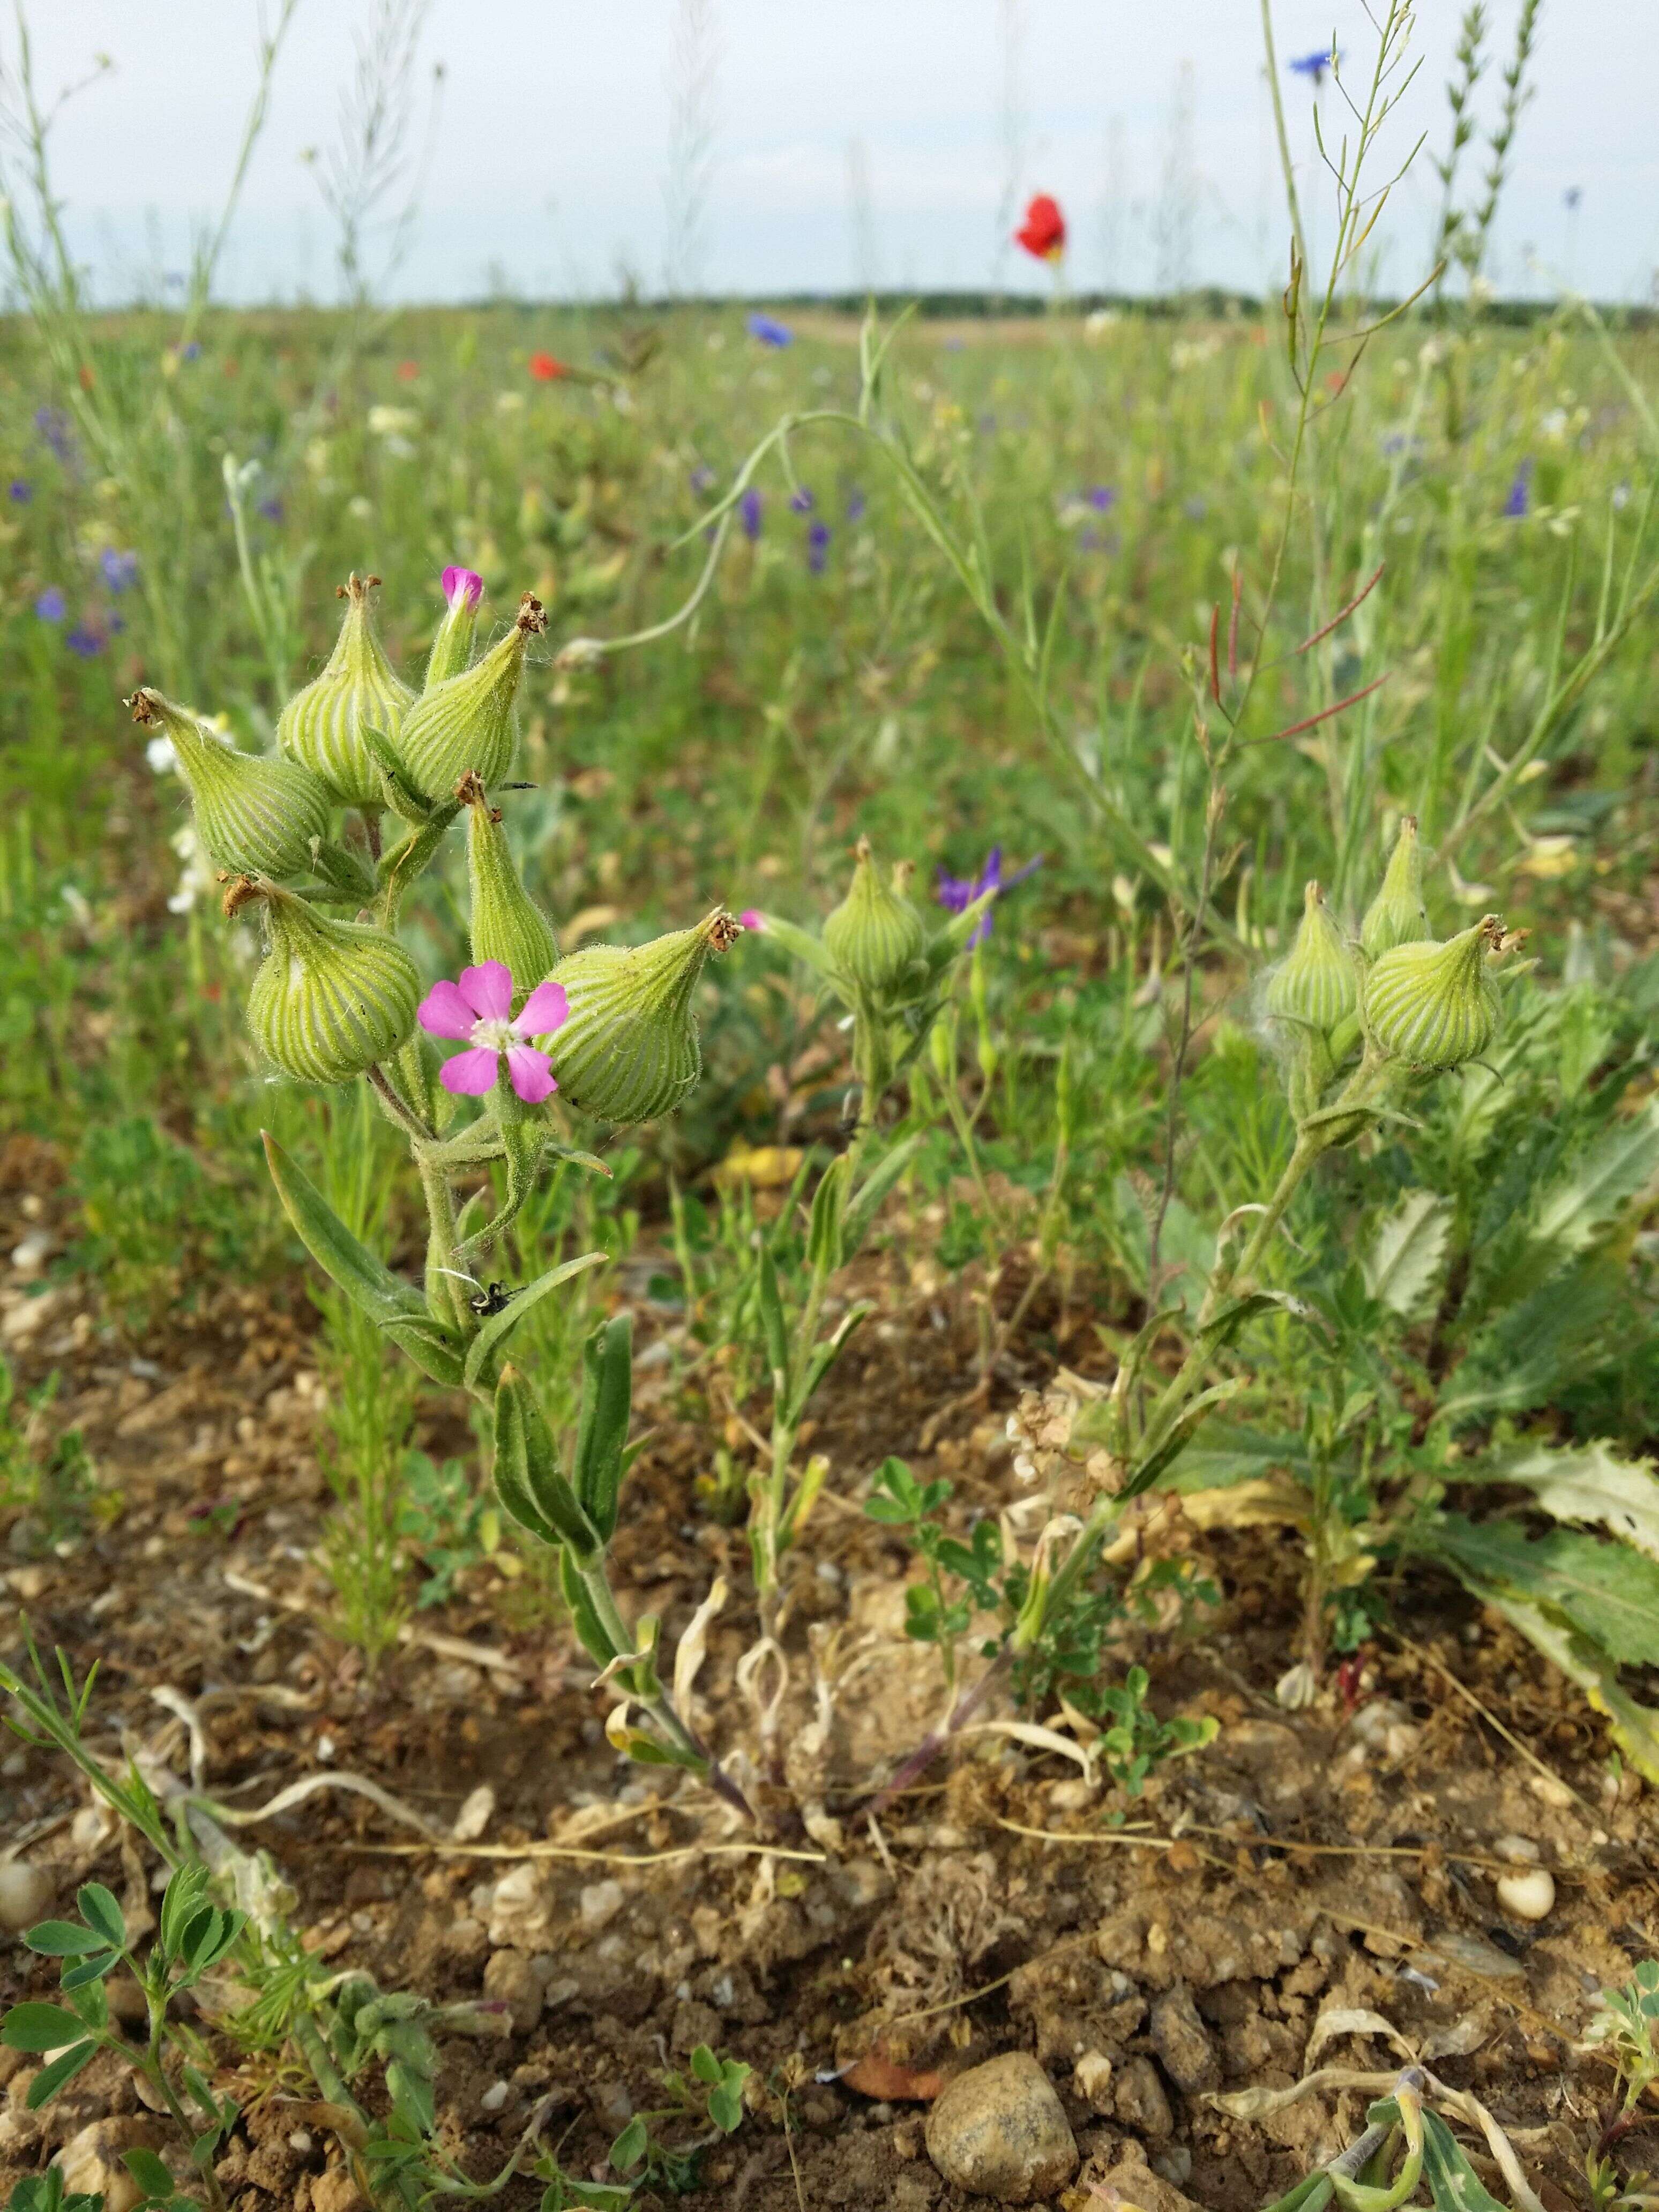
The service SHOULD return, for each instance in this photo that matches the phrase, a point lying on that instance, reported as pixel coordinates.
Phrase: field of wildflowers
(827, 1337)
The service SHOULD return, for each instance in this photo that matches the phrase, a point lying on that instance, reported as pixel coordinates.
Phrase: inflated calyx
(628, 1049)
(255, 815)
(1314, 985)
(331, 998)
(1397, 914)
(322, 727)
(508, 925)
(875, 933)
(464, 724)
(1436, 1006)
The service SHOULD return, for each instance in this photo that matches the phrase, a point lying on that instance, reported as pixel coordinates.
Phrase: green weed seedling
(1626, 2027)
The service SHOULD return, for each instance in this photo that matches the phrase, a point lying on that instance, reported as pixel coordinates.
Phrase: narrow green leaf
(62, 2069)
(1586, 1483)
(478, 1373)
(772, 1321)
(804, 946)
(89, 1972)
(1607, 1592)
(1453, 2182)
(823, 1235)
(602, 1431)
(528, 1480)
(590, 1629)
(863, 1207)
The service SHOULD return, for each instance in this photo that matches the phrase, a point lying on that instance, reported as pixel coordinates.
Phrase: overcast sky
(845, 141)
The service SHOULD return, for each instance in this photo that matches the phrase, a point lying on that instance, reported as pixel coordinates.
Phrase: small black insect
(493, 1300)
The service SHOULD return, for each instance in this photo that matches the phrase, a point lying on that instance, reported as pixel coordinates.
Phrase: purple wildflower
(800, 501)
(120, 570)
(748, 513)
(769, 331)
(957, 893)
(270, 508)
(702, 478)
(1519, 503)
(817, 546)
(20, 491)
(856, 504)
(191, 351)
(1101, 497)
(54, 427)
(52, 606)
(85, 643)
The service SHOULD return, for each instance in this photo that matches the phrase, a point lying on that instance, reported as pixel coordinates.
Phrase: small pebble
(26, 1894)
(1529, 1896)
(495, 2097)
(1519, 1850)
(999, 2130)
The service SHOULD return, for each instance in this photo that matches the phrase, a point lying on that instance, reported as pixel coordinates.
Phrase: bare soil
(1340, 1859)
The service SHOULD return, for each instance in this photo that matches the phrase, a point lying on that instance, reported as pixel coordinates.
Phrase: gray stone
(999, 2130)
(511, 1976)
(1139, 2100)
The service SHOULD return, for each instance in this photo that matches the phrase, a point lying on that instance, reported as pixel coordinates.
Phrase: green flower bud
(1315, 986)
(322, 727)
(1436, 1006)
(628, 1049)
(875, 933)
(330, 998)
(1397, 915)
(465, 723)
(255, 815)
(508, 925)
(452, 645)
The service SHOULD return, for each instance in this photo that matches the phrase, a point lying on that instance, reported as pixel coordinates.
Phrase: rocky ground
(1014, 1983)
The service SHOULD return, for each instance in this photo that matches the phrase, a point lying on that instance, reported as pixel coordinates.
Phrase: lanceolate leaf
(1404, 1260)
(1622, 1162)
(396, 1305)
(1227, 1453)
(1586, 1483)
(492, 1337)
(867, 1200)
(1453, 2182)
(1606, 1593)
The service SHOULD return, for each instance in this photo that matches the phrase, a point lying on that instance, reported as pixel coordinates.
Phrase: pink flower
(475, 1011)
(463, 583)
(752, 918)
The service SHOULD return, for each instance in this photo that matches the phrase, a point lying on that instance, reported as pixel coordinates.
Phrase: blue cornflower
(85, 642)
(956, 894)
(120, 570)
(55, 429)
(1101, 497)
(769, 331)
(817, 546)
(748, 513)
(190, 351)
(1519, 502)
(702, 478)
(800, 501)
(856, 504)
(52, 606)
(20, 491)
(270, 508)
(1315, 64)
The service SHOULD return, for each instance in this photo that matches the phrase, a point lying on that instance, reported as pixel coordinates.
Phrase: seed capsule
(1397, 915)
(322, 727)
(465, 722)
(255, 814)
(1315, 986)
(330, 998)
(508, 925)
(875, 933)
(451, 647)
(1436, 1006)
(628, 1050)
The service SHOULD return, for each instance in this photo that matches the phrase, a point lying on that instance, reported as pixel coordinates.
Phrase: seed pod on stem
(1397, 914)
(508, 925)
(1436, 1006)
(331, 998)
(255, 815)
(1315, 985)
(629, 1049)
(451, 647)
(322, 727)
(875, 934)
(465, 722)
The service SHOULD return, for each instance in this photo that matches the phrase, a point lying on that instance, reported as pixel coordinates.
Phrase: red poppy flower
(408, 371)
(1043, 231)
(546, 367)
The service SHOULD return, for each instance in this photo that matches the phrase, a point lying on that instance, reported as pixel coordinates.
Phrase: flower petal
(544, 1010)
(531, 1073)
(444, 1014)
(487, 989)
(471, 1073)
(463, 583)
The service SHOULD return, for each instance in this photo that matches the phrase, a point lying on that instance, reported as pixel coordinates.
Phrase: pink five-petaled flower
(478, 1011)
(462, 584)
(752, 918)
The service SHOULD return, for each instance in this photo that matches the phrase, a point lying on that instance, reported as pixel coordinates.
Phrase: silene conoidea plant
(609, 1031)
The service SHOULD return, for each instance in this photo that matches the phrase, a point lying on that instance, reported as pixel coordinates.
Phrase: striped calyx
(508, 925)
(1315, 986)
(1436, 1006)
(330, 998)
(628, 1050)
(452, 645)
(322, 727)
(465, 723)
(875, 934)
(1397, 914)
(255, 814)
